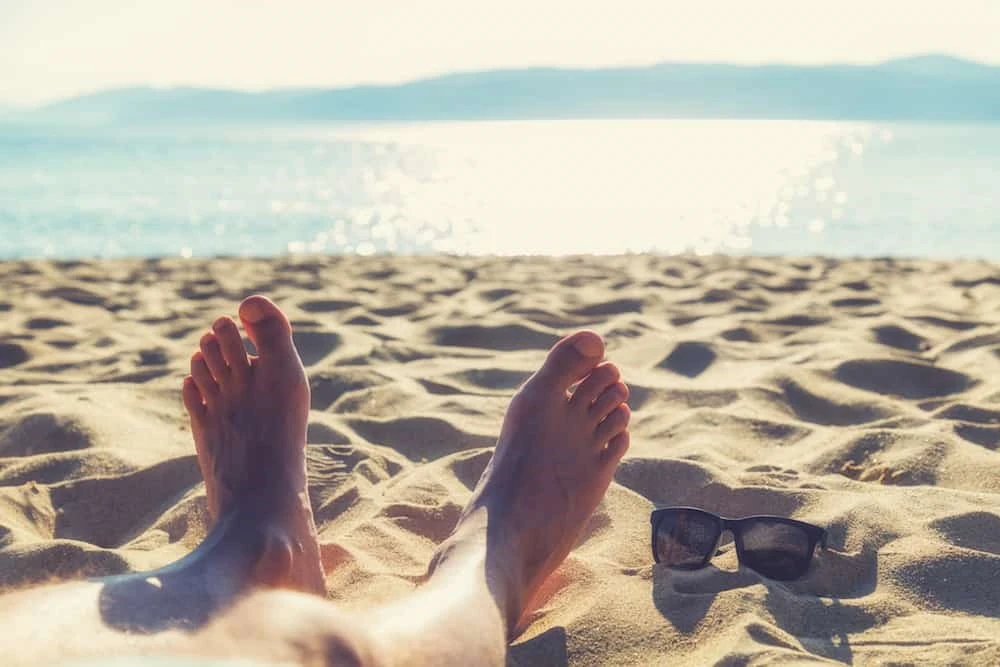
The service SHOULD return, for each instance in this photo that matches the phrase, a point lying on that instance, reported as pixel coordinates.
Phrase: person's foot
(249, 418)
(556, 455)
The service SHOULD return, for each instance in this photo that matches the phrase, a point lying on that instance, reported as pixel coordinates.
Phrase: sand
(860, 395)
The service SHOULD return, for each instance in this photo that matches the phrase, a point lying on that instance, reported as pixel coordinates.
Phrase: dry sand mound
(861, 395)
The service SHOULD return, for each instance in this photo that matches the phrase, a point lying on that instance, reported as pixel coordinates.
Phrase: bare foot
(554, 460)
(249, 418)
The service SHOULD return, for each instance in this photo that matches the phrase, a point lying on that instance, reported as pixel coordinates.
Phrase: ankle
(477, 545)
(290, 562)
(289, 555)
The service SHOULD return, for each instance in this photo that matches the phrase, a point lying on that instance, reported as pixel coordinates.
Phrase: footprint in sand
(503, 337)
(896, 336)
(813, 403)
(906, 379)
(689, 358)
(497, 294)
(971, 530)
(43, 433)
(44, 323)
(12, 354)
(327, 305)
(855, 302)
(798, 321)
(984, 436)
(314, 346)
(76, 295)
(615, 307)
(740, 335)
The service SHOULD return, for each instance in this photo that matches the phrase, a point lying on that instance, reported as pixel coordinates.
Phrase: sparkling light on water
(605, 187)
(553, 187)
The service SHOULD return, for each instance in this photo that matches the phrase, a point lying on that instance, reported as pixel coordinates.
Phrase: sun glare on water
(565, 187)
(519, 187)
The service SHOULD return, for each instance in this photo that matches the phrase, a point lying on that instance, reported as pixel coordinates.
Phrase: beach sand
(860, 395)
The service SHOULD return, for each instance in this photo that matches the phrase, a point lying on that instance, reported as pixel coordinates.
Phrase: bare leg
(554, 460)
(248, 417)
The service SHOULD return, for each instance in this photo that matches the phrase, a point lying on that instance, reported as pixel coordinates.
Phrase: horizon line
(22, 107)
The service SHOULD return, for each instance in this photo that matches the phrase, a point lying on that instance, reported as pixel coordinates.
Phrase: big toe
(266, 325)
(571, 359)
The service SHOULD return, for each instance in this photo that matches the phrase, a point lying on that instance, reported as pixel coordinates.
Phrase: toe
(595, 384)
(616, 449)
(232, 347)
(266, 325)
(192, 399)
(612, 397)
(570, 360)
(203, 379)
(613, 424)
(212, 353)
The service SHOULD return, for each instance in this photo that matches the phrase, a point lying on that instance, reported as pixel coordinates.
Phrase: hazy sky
(56, 48)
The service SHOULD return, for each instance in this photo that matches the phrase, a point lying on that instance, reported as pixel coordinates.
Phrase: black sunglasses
(778, 548)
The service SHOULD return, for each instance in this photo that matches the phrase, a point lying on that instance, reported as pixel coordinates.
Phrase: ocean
(538, 187)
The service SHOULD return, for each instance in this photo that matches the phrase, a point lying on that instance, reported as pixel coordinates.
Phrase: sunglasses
(686, 538)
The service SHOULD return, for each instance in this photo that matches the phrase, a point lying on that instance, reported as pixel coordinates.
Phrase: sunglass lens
(775, 549)
(686, 539)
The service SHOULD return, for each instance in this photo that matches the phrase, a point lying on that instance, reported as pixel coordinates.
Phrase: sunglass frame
(815, 534)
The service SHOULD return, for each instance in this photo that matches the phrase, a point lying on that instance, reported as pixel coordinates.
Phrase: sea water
(538, 187)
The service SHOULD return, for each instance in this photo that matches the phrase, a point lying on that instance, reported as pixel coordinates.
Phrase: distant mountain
(939, 65)
(923, 88)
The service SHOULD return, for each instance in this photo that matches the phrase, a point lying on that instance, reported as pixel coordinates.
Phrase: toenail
(588, 346)
(222, 323)
(252, 309)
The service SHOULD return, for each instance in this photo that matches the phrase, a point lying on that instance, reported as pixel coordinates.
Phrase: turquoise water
(553, 187)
